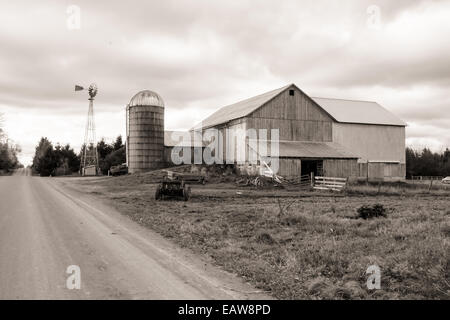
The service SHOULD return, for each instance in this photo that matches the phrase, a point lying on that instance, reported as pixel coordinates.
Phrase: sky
(200, 55)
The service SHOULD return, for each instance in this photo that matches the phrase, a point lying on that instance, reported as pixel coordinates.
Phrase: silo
(145, 132)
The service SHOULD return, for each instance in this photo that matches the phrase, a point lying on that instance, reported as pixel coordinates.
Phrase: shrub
(369, 212)
(265, 238)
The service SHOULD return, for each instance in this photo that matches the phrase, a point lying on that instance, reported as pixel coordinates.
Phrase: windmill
(89, 156)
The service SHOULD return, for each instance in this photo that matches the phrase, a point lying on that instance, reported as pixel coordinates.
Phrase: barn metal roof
(354, 111)
(307, 149)
(348, 111)
(303, 149)
(239, 109)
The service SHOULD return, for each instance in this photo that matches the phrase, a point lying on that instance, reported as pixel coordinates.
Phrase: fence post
(367, 175)
(312, 179)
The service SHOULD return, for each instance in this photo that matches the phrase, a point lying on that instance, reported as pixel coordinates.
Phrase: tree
(104, 149)
(427, 163)
(72, 159)
(446, 163)
(411, 162)
(117, 157)
(44, 160)
(4, 157)
(110, 154)
(67, 160)
(54, 161)
(8, 151)
(118, 143)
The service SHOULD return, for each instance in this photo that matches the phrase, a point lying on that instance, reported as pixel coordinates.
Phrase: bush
(265, 238)
(368, 212)
(113, 159)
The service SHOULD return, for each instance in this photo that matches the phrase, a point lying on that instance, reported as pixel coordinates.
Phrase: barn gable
(295, 115)
(291, 103)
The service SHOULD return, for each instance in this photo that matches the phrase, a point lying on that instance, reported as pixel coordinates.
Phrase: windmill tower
(89, 156)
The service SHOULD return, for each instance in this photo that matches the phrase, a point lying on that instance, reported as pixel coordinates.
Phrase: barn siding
(295, 130)
(340, 168)
(297, 117)
(381, 171)
(290, 167)
(372, 142)
(238, 124)
(234, 126)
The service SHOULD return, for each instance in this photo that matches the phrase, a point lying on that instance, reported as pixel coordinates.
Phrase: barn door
(375, 170)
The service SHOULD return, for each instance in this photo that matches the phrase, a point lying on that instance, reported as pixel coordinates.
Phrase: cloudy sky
(204, 54)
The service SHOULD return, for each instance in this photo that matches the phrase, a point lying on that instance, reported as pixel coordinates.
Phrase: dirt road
(45, 228)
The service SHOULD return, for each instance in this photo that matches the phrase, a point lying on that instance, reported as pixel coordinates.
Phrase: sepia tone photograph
(245, 150)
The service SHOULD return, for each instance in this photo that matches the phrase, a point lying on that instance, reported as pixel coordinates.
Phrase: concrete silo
(145, 132)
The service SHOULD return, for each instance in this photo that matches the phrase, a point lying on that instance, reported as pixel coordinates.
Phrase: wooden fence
(305, 181)
(426, 178)
(330, 183)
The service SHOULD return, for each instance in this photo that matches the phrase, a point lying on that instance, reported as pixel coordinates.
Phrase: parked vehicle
(119, 170)
(446, 180)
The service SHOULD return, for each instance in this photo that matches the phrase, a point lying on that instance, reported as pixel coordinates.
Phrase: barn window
(291, 92)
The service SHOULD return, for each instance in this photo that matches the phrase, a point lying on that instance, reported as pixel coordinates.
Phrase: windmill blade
(78, 88)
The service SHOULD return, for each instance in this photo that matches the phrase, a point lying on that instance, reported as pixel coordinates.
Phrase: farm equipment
(119, 170)
(173, 188)
(189, 178)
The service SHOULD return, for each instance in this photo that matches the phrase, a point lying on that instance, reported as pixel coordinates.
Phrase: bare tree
(2, 134)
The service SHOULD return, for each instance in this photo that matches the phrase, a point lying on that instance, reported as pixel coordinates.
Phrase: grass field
(303, 245)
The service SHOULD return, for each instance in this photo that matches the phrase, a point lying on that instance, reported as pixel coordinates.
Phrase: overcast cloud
(201, 55)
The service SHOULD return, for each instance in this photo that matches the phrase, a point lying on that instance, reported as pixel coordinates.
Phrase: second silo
(145, 132)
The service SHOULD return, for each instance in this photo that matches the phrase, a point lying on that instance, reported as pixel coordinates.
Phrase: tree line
(62, 160)
(427, 163)
(8, 152)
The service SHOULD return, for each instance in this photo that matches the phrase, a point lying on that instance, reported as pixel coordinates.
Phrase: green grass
(314, 247)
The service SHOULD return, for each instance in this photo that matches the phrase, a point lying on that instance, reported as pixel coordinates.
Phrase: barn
(330, 137)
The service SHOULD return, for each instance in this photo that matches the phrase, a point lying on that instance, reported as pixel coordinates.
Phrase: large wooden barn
(331, 137)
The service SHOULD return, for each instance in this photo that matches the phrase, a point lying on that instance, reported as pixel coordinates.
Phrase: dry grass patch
(303, 245)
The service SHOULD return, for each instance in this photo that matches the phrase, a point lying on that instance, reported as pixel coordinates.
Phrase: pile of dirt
(151, 177)
(214, 171)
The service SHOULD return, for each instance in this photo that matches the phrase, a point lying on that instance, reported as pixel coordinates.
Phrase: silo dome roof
(146, 98)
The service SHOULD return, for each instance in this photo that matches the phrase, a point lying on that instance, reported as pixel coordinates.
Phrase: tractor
(173, 188)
